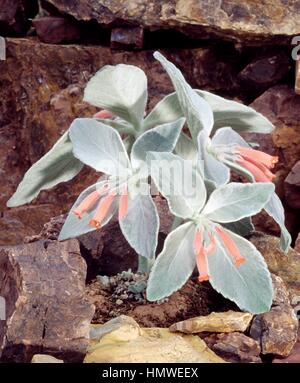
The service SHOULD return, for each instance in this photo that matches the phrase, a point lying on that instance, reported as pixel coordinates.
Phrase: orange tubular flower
(257, 163)
(200, 257)
(103, 114)
(102, 210)
(123, 204)
(210, 249)
(231, 247)
(89, 201)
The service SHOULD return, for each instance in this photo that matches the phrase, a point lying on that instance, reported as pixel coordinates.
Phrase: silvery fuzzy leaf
(166, 110)
(73, 226)
(197, 111)
(243, 227)
(174, 265)
(179, 182)
(121, 126)
(163, 138)
(275, 209)
(235, 201)
(58, 165)
(121, 89)
(240, 117)
(227, 136)
(99, 146)
(141, 224)
(248, 285)
(186, 148)
(213, 169)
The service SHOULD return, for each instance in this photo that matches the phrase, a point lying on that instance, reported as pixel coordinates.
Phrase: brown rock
(55, 30)
(292, 187)
(43, 284)
(286, 266)
(127, 38)
(231, 19)
(106, 251)
(121, 340)
(281, 294)
(234, 347)
(229, 321)
(276, 330)
(280, 105)
(264, 72)
(297, 244)
(294, 356)
(297, 80)
(14, 15)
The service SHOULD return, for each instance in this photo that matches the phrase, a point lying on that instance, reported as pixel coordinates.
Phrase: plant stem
(145, 265)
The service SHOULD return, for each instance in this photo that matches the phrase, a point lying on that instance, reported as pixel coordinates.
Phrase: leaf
(141, 224)
(166, 110)
(186, 148)
(275, 209)
(73, 226)
(121, 126)
(174, 265)
(163, 138)
(235, 201)
(243, 227)
(248, 285)
(196, 110)
(240, 117)
(58, 165)
(179, 182)
(227, 136)
(99, 146)
(121, 89)
(213, 169)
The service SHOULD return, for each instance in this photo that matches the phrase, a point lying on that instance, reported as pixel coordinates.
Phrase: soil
(112, 296)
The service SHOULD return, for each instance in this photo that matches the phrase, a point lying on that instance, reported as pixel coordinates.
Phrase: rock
(297, 80)
(292, 187)
(286, 266)
(42, 358)
(127, 38)
(47, 312)
(294, 356)
(264, 72)
(14, 16)
(121, 340)
(42, 100)
(234, 347)
(253, 22)
(106, 251)
(276, 330)
(229, 321)
(281, 294)
(55, 30)
(280, 105)
(297, 243)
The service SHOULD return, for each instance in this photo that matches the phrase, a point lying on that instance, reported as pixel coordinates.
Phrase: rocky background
(240, 51)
